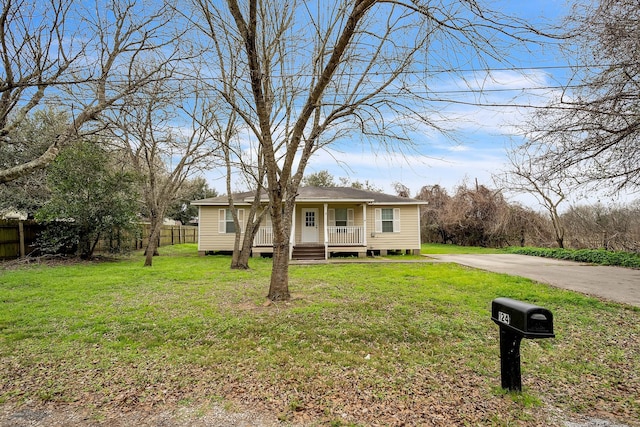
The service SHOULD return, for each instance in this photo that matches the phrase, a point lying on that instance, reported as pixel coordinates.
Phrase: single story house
(326, 221)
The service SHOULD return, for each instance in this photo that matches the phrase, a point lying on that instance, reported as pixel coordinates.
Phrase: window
(225, 220)
(387, 220)
(309, 219)
(341, 217)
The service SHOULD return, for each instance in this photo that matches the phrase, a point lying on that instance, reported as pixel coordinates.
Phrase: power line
(436, 95)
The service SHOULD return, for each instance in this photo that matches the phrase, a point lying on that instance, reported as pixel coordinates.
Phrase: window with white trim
(225, 220)
(387, 220)
(341, 217)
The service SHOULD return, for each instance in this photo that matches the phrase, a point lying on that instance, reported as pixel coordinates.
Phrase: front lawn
(359, 344)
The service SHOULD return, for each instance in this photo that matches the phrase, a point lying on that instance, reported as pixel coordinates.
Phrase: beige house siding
(210, 238)
(360, 231)
(407, 238)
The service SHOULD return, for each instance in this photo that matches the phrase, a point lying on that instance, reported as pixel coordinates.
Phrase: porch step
(308, 252)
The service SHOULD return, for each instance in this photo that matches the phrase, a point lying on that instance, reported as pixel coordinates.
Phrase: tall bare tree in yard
(83, 58)
(528, 173)
(592, 132)
(249, 165)
(313, 72)
(243, 157)
(165, 134)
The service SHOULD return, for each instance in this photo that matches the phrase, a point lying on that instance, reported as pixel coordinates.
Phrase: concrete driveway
(612, 283)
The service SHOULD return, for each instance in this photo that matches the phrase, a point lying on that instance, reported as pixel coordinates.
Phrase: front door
(310, 225)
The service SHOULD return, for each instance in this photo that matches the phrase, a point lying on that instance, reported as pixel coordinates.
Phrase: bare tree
(604, 227)
(471, 214)
(165, 132)
(242, 156)
(592, 132)
(314, 72)
(252, 170)
(401, 189)
(478, 216)
(518, 225)
(528, 173)
(83, 56)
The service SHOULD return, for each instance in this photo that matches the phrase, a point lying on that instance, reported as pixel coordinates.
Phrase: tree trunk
(279, 286)
(240, 259)
(558, 229)
(235, 257)
(243, 257)
(152, 246)
(281, 222)
(84, 243)
(253, 225)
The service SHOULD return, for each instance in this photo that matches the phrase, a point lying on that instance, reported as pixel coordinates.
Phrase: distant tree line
(481, 216)
(477, 215)
(614, 228)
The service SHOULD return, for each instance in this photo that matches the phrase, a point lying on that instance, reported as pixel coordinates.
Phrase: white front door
(310, 225)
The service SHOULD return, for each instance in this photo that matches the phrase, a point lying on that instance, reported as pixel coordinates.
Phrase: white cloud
(475, 149)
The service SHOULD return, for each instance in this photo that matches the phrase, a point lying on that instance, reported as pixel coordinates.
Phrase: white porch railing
(338, 236)
(264, 237)
(346, 236)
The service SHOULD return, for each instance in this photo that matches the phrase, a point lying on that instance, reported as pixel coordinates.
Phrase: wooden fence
(18, 238)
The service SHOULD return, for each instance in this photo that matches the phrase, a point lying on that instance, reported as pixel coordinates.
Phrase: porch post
(364, 223)
(325, 231)
(292, 238)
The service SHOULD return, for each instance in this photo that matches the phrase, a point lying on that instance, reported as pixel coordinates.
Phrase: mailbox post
(518, 320)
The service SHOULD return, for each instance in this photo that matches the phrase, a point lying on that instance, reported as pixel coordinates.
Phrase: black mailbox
(518, 320)
(522, 318)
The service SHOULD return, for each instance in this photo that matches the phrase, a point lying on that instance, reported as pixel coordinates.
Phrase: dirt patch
(52, 261)
(59, 415)
(75, 416)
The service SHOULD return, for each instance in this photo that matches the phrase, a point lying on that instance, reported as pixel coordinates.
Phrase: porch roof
(317, 195)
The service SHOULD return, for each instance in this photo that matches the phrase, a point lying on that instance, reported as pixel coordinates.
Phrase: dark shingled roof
(318, 194)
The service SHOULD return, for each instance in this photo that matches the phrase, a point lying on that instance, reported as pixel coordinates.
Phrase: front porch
(320, 231)
(339, 239)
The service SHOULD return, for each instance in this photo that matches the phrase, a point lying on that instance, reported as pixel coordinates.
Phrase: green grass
(358, 343)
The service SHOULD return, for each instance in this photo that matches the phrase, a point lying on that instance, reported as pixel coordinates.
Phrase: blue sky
(480, 136)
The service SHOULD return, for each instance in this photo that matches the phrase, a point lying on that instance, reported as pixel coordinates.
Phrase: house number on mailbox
(504, 318)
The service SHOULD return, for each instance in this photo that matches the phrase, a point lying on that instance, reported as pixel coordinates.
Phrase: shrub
(593, 256)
